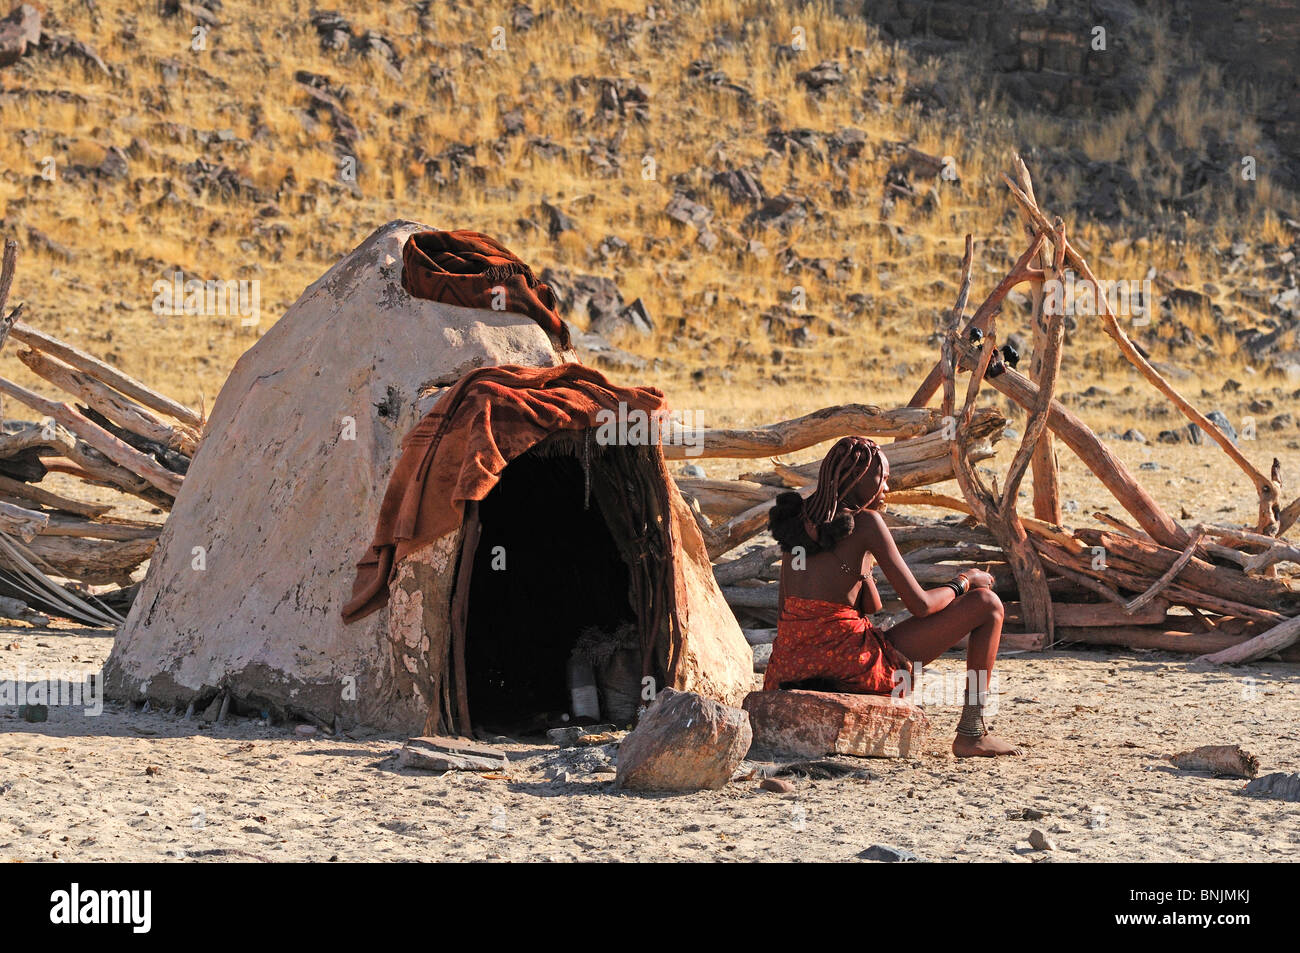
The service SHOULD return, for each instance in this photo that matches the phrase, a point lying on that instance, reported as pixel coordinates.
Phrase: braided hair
(822, 520)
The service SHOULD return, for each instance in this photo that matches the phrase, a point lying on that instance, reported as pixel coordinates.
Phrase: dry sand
(1098, 726)
(132, 786)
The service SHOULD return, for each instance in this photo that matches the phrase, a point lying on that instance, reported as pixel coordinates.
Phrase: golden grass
(122, 234)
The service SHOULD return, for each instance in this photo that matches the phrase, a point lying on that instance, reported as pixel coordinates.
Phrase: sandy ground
(1098, 725)
(132, 786)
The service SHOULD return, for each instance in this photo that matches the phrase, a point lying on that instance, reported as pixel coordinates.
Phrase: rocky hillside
(754, 192)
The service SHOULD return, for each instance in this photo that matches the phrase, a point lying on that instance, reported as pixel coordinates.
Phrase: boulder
(816, 724)
(684, 742)
(20, 32)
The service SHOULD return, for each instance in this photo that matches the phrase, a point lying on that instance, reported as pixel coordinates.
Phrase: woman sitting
(823, 640)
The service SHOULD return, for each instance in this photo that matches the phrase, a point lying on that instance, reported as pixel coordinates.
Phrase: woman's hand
(978, 579)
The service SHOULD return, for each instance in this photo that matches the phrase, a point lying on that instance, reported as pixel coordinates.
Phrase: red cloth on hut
(828, 640)
(458, 451)
(465, 268)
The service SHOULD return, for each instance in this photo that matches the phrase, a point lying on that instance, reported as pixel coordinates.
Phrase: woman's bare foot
(989, 746)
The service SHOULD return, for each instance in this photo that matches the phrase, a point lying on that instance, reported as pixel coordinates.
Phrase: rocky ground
(1098, 727)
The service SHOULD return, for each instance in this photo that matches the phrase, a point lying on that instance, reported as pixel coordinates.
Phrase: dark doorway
(547, 567)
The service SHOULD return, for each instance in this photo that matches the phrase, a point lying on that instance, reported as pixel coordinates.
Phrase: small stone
(34, 713)
(305, 731)
(151, 771)
(1134, 435)
(568, 737)
(210, 713)
(1040, 841)
(776, 785)
(888, 855)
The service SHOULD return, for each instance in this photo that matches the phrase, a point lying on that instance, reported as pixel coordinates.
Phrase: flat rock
(1284, 787)
(436, 753)
(684, 742)
(815, 724)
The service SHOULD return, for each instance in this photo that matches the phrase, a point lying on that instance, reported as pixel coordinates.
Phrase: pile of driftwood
(1145, 582)
(60, 554)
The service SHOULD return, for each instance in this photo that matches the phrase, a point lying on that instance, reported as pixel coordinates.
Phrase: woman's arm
(880, 543)
(869, 601)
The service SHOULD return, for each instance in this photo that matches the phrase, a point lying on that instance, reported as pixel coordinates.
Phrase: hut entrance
(553, 581)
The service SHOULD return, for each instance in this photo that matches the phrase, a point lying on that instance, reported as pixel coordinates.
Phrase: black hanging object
(976, 335)
(1011, 355)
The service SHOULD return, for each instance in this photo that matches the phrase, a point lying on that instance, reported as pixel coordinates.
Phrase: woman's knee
(987, 600)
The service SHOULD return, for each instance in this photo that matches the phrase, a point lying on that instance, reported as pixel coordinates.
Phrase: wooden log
(122, 411)
(124, 456)
(1011, 641)
(723, 499)
(120, 529)
(999, 513)
(1108, 468)
(1020, 272)
(787, 436)
(1150, 637)
(460, 616)
(34, 435)
(87, 560)
(1045, 480)
(735, 531)
(751, 597)
(1287, 518)
(915, 453)
(17, 609)
(1197, 574)
(747, 566)
(1266, 488)
(1094, 614)
(21, 522)
(1170, 574)
(35, 494)
(1132, 576)
(1275, 550)
(1277, 639)
(86, 463)
(106, 373)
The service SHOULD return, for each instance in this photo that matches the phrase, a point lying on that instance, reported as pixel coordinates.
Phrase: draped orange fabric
(831, 641)
(458, 451)
(471, 269)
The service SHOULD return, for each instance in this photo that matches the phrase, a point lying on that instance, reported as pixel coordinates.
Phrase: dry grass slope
(270, 199)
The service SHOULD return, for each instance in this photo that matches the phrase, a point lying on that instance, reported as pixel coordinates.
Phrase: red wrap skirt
(829, 640)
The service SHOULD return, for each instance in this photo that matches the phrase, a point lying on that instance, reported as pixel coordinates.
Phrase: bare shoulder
(869, 526)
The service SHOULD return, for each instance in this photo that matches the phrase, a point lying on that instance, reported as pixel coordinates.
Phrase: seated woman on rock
(823, 640)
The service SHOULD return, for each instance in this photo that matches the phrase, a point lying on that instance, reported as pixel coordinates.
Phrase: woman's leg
(978, 614)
